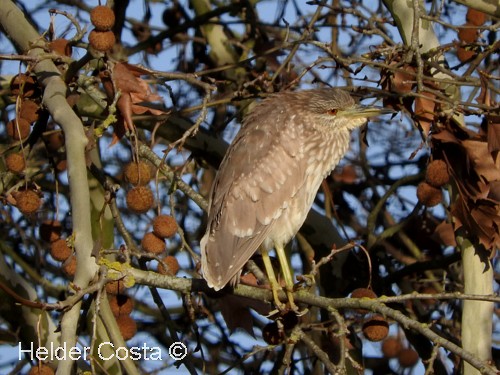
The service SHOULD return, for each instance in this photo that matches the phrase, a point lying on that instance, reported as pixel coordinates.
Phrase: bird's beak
(364, 111)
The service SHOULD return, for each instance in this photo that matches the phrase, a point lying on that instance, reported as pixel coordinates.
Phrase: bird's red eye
(332, 112)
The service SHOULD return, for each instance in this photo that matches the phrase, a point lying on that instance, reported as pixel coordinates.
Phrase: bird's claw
(282, 308)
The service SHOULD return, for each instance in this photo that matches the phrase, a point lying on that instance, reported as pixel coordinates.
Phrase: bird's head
(334, 107)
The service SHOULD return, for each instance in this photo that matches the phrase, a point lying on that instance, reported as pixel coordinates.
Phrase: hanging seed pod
(102, 18)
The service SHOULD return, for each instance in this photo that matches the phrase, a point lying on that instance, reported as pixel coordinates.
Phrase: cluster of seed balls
(375, 328)
(50, 231)
(121, 306)
(392, 347)
(102, 39)
(140, 199)
(436, 176)
(25, 88)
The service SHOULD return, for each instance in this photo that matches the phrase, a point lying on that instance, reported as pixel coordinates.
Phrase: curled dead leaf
(402, 81)
(468, 33)
(424, 110)
(445, 234)
(476, 173)
(493, 134)
(465, 54)
(134, 94)
(475, 17)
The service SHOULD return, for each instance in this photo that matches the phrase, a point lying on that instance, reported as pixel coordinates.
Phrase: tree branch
(54, 98)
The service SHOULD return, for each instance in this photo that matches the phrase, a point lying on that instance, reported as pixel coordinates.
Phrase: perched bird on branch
(269, 178)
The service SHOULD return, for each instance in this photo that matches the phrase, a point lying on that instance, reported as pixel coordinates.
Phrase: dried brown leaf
(424, 111)
(476, 173)
(236, 311)
(484, 95)
(493, 135)
(445, 234)
(124, 105)
(467, 33)
(475, 17)
(464, 54)
(134, 94)
(483, 221)
(402, 81)
(482, 161)
(494, 191)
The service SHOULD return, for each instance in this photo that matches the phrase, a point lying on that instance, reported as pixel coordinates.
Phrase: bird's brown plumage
(269, 176)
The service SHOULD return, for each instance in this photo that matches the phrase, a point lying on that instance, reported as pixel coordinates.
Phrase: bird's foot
(280, 306)
(293, 305)
(289, 308)
(283, 308)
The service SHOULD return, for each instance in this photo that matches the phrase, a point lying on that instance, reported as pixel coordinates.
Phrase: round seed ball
(141, 32)
(172, 16)
(69, 266)
(121, 304)
(153, 244)
(127, 325)
(428, 195)
(28, 202)
(29, 110)
(61, 165)
(18, 129)
(15, 162)
(391, 347)
(164, 226)
(272, 334)
(363, 293)
(41, 369)
(102, 41)
(50, 230)
(115, 287)
(408, 357)
(140, 199)
(137, 173)
(428, 290)
(172, 266)
(59, 250)
(290, 320)
(376, 328)
(437, 173)
(102, 17)
(54, 140)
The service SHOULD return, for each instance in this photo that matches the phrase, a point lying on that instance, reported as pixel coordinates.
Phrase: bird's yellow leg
(275, 287)
(287, 275)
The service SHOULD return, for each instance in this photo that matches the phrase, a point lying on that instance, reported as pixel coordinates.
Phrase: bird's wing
(261, 172)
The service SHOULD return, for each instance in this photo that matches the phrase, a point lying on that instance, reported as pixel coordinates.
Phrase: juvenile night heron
(269, 178)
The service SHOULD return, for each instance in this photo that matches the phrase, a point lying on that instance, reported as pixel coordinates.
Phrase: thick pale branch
(489, 7)
(54, 99)
(478, 279)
